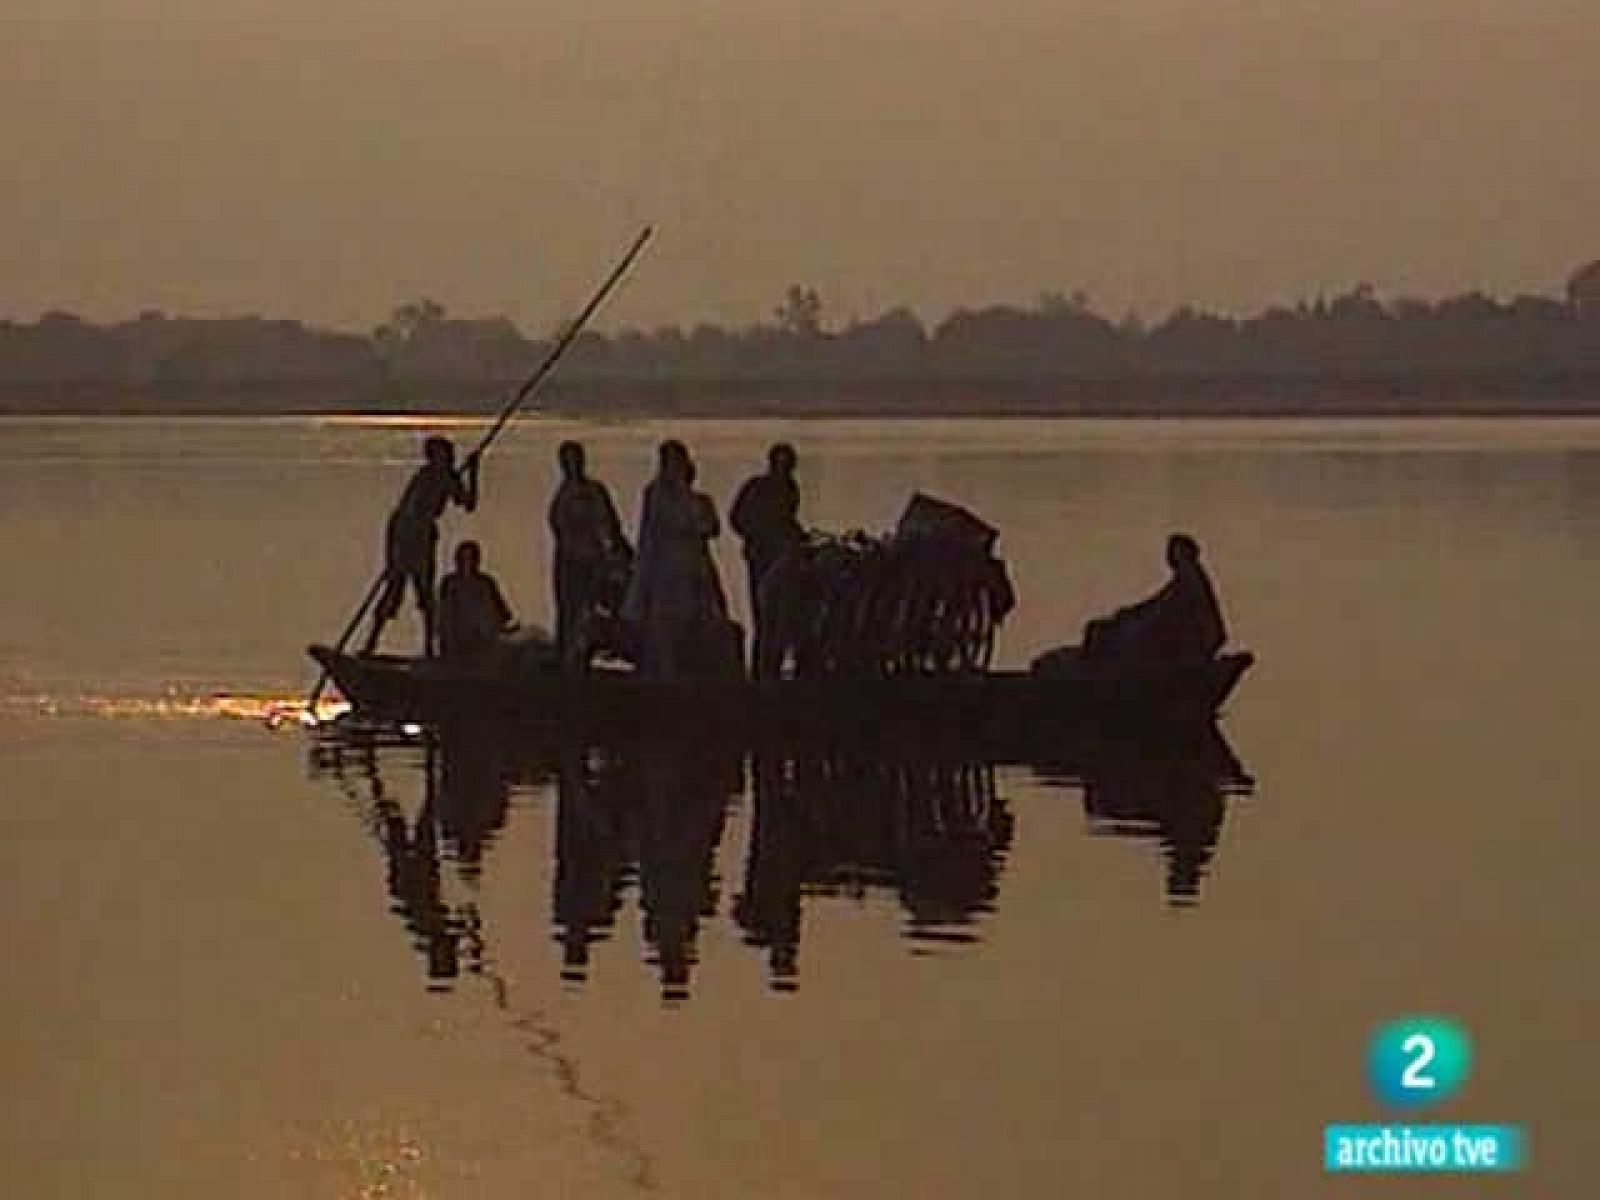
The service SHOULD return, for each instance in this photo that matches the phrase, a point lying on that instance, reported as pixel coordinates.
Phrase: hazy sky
(328, 159)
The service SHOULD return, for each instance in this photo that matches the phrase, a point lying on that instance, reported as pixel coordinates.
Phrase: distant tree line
(423, 358)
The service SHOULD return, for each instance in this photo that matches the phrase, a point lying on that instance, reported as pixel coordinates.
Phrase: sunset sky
(328, 160)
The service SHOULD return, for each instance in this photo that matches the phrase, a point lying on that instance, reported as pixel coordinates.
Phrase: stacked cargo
(927, 598)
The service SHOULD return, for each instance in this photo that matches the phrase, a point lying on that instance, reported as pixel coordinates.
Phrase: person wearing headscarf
(675, 598)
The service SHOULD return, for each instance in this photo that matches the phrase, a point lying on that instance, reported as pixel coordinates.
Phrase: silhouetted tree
(1059, 304)
(1463, 343)
(800, 313)
(892, 344)
(405, 325)
(1583, 289)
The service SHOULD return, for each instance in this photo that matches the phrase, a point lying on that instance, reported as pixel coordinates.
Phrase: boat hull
(990, 709)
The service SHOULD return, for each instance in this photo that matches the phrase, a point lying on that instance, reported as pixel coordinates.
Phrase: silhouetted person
(589, 546)
(472, 611)
(1178, 626)
(675, 599)
(765, 515)
(411, 538)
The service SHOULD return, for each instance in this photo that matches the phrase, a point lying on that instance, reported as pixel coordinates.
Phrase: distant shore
(1353, 354)
(700, 398)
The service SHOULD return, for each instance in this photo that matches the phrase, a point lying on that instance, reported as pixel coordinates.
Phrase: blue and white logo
(1413, 1062)
(1417, 1061)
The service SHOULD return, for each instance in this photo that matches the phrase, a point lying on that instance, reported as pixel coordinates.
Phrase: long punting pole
(513, 406)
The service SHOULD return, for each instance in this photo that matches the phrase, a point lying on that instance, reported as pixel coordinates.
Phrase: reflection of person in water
(474, 795)
(1190, 830)
(591, 858)
(782, 853)
(413, 859)
(466, 787)
(684, 800)
(1177, 797)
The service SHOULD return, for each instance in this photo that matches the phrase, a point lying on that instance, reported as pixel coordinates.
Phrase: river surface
(244, 962)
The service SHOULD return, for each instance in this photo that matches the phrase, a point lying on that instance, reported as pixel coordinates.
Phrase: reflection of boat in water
(932, 834)
(1175, 792)
(463, 807)
(640, 822)
(652, 814)
(990, 711)
(647, 815)
(641, 816)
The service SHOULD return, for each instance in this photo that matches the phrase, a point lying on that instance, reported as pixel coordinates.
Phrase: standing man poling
(411, 539)
(590, 546)
(765, 515)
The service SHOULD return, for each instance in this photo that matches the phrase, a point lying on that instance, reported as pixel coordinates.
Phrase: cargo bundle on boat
(927, 598)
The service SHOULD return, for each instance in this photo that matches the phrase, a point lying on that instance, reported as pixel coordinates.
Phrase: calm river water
(246, 964)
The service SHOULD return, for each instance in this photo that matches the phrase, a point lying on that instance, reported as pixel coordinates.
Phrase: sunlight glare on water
(273, 711)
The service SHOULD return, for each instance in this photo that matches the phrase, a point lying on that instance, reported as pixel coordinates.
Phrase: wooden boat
(995, 711)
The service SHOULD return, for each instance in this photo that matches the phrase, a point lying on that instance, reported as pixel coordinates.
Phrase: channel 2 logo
(1412, 1063)
(1419, 1061)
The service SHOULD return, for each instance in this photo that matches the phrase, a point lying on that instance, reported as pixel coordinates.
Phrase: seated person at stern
(1180, 625)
